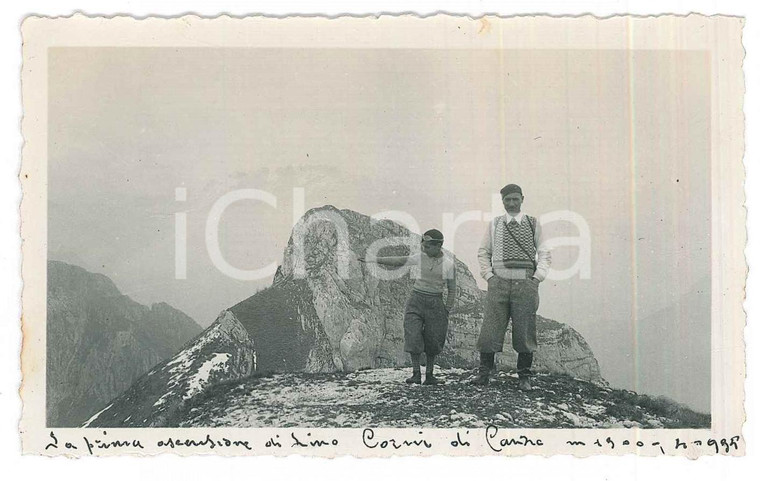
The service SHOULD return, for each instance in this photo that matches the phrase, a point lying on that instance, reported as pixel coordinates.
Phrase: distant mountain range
(327, 323)
(100, 341)
(681, 327)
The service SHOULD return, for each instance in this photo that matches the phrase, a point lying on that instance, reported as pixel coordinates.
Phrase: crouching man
(513, 260)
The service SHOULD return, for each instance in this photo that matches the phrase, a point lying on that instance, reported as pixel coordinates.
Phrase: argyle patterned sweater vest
(506, 250)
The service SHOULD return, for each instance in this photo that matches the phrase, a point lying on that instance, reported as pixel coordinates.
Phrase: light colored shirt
(485, 251)
(433, 275)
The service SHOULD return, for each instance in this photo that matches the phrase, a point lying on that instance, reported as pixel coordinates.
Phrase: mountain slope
(100, 341)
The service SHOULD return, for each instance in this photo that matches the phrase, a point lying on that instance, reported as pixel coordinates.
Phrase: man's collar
(508, 217)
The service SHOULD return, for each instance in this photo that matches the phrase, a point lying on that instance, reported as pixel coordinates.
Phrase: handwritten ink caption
(491, 439)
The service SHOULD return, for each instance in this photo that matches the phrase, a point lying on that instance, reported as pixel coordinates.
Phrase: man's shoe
(415, 379)
(431, 380)
(524, 384)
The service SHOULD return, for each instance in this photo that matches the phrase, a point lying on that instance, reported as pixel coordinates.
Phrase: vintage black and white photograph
(450, 232)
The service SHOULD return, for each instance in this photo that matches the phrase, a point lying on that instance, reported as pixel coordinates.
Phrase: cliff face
(100, 341)
(326, 312)
(356, 319)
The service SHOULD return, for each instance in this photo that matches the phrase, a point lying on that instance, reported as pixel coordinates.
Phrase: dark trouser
(425, 323)
(515, 299)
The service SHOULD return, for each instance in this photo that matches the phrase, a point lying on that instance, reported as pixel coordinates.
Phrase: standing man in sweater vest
(513, 260)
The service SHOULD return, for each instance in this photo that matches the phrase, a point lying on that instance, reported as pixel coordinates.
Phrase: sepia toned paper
(629, 130)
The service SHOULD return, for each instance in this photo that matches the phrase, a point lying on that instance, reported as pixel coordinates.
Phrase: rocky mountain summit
(100, 341)
(328, 313)
(380, 398)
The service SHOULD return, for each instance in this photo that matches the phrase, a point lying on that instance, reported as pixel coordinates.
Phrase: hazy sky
(620, 139)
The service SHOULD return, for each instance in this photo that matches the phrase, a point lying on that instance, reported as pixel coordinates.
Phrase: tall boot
(430, 379)
(524, 362)
(484, 370)
(416, 375)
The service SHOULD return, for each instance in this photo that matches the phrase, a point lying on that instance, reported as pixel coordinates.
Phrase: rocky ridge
(380, 398)
(157, 395)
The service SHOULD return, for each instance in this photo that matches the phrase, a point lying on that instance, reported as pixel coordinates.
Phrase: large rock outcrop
(100, 341)
(348, 318)
(327, 312)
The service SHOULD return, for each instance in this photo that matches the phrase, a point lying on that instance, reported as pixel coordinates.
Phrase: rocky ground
(380, 398)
